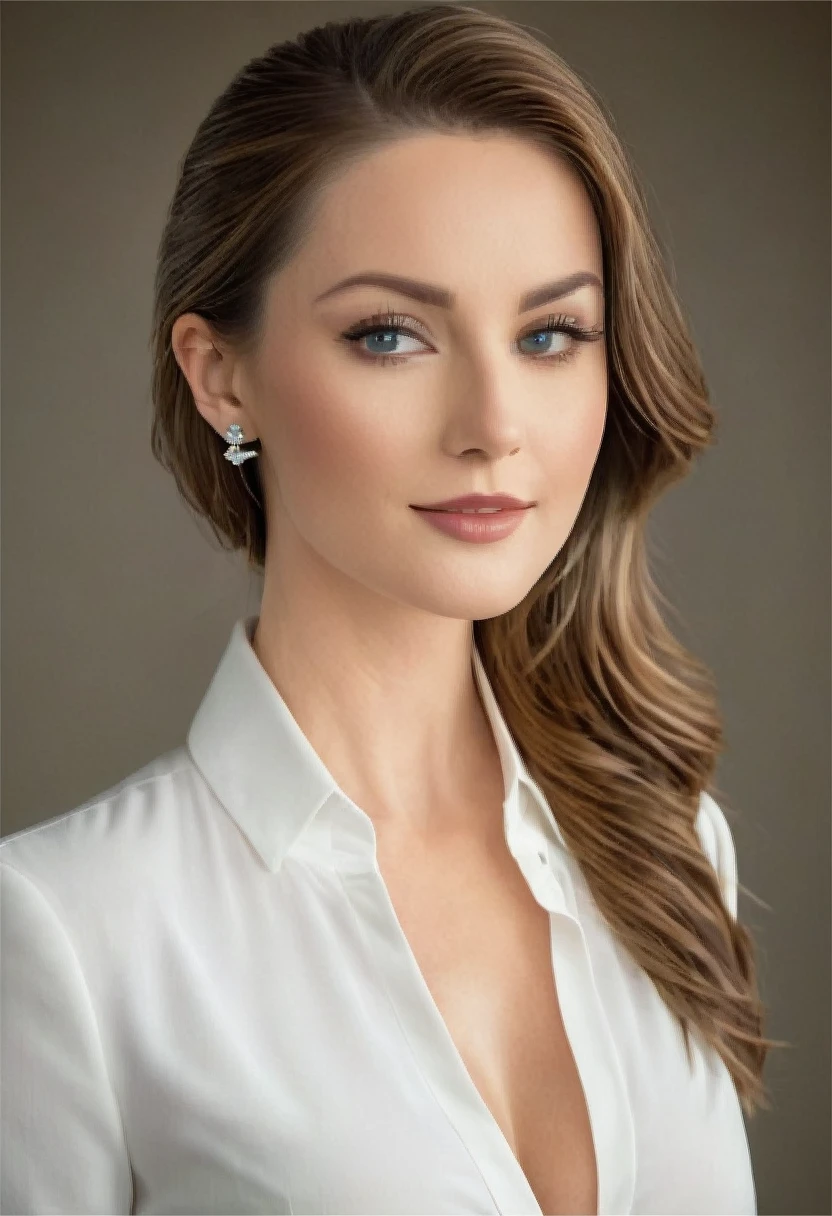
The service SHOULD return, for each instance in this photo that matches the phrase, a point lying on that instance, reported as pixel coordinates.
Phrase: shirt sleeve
(718, 843)
(62, 1143)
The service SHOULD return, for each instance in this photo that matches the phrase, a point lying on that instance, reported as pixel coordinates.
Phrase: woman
(434, 910)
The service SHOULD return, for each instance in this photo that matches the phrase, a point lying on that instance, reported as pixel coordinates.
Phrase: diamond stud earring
(234, 435)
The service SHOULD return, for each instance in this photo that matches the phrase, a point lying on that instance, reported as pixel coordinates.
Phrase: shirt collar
(249, 748)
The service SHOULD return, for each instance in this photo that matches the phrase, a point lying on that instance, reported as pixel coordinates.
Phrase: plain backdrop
(117, 604)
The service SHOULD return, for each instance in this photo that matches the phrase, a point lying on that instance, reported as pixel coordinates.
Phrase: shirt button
(541, 856)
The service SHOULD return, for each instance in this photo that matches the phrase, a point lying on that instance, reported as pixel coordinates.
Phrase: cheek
(328, 447)
(582, 438)
(570, 443)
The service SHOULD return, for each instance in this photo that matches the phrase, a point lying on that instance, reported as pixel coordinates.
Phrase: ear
(209, 368)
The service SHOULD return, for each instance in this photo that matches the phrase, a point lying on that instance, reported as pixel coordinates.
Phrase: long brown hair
(616, 721)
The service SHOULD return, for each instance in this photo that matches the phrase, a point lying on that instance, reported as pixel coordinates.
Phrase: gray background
(117, 604)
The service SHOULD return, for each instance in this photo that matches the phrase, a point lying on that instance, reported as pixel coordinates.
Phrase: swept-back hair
(616, 721)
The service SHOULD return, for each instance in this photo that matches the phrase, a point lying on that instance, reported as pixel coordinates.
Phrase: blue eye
(385, 339)
(543, 336)
(388, 328)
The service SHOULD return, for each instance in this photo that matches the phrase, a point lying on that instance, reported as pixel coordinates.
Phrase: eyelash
(397, 322)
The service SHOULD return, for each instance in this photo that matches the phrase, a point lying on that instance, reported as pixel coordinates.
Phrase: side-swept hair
(616, 721)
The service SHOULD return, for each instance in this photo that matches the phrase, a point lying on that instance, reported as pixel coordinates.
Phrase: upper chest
(483, 945)
(304, 1069)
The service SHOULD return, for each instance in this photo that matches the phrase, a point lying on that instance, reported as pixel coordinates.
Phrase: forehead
(478, 213)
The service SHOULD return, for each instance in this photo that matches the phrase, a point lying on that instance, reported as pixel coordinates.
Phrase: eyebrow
(441, 297)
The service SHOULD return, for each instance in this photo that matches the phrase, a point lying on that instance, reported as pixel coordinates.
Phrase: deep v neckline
(439, 1058)
(446, 1073)
(552, 879)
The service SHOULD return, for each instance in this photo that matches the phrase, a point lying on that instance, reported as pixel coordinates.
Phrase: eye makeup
(403, 325)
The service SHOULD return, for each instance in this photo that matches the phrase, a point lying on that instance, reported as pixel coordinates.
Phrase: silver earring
(234, 435)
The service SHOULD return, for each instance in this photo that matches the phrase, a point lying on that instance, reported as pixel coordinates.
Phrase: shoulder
(118, 835)
(718, 843)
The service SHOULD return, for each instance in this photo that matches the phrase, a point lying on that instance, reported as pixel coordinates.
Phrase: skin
(365, 622)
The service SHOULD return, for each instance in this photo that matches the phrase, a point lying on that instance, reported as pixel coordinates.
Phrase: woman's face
(474, 397)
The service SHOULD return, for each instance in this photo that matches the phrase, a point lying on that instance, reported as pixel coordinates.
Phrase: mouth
(476, 525)
(471, 510)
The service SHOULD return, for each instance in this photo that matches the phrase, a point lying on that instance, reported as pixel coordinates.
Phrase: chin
(461, 604)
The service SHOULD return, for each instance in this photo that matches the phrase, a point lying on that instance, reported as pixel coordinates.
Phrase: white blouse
(209, 1005)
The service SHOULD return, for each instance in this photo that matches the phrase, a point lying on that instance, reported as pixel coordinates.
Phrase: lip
(504, 501)
(479, 528)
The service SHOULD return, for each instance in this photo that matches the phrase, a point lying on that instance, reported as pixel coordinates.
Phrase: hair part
(616, 721)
